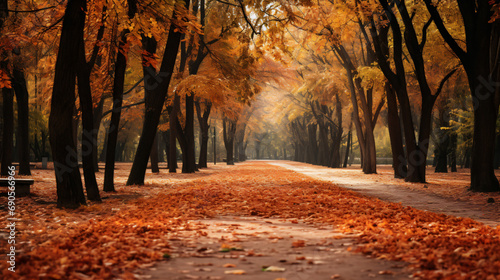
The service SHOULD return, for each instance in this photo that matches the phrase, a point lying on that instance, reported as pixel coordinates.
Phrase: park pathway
(392, 193)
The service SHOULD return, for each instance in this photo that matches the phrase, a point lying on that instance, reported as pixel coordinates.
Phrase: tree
(84, 70)
(69, 183)
(22, 97)
(118, 90)
(157, 92)
(416, 149)
(480, 61)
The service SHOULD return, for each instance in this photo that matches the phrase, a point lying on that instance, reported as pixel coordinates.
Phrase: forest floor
(259, 220)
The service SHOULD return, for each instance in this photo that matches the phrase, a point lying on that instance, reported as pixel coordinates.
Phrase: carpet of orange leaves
(130, 229)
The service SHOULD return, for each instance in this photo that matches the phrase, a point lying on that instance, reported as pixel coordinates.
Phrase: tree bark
(188, 151)
(312, 145)
(22, 96)
(97, 125)
(453, 152)
(229, 130)
(8, 130)
(69, 184)
(154, 156)
(336, 133)
(346, 158)
(443, 139)
(395, 134)
(172, 150)
(88, 132)
(204, 132)
(114, 123)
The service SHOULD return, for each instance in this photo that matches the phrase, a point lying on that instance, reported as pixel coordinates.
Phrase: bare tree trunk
(395, 134)
(154, 156)
(204, 130)
(118, 89)
(22, 97)
(8, 129)
(229, 130)
(88, 132)
(69, 184)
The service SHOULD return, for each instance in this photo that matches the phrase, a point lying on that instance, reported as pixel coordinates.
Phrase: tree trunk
(114, 123)
(483, 177)
(453, 152)
(188, 154)
(485, 95)
(159, 89)
(497, 153)
(229, 130)
(346, 158)
(395, 134)
(102, 156)
(172, 150)
(97, 125)
(204, 132)
(8, 130)
(88, 131)
(480, 61)
(154, 156)
(312, 145)
(336, 133)
(443, 142)
(22, 96)
(69, 184)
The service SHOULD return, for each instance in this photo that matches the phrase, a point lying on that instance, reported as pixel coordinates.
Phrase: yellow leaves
(371, 76)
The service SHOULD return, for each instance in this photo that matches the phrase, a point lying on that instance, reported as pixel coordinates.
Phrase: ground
(260, 220)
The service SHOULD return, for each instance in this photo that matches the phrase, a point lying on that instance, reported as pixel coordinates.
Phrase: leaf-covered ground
(129, 230)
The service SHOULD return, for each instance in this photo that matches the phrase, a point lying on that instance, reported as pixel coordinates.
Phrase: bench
(22, 186)
(16, 164)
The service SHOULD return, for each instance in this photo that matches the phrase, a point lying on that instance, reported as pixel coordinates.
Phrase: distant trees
(398, 39)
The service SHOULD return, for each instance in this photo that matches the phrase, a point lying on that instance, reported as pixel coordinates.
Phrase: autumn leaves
(108, 240)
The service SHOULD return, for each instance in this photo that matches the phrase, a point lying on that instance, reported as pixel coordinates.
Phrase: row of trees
(209, 63)
(162, 65)
(402, 59)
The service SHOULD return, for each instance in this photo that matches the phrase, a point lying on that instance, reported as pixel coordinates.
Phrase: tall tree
(416, 149)
(8, 103)
(118, 89)
(89, 134)
(69, 184)
(22, 97)
(158, 93)
(480, 60)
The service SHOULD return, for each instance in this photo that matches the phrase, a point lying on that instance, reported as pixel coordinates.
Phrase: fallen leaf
(274, 269)
(235, 272)
(298, 243)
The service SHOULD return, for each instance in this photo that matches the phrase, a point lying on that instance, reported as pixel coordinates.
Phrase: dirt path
(295, 250)
(354, 180)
